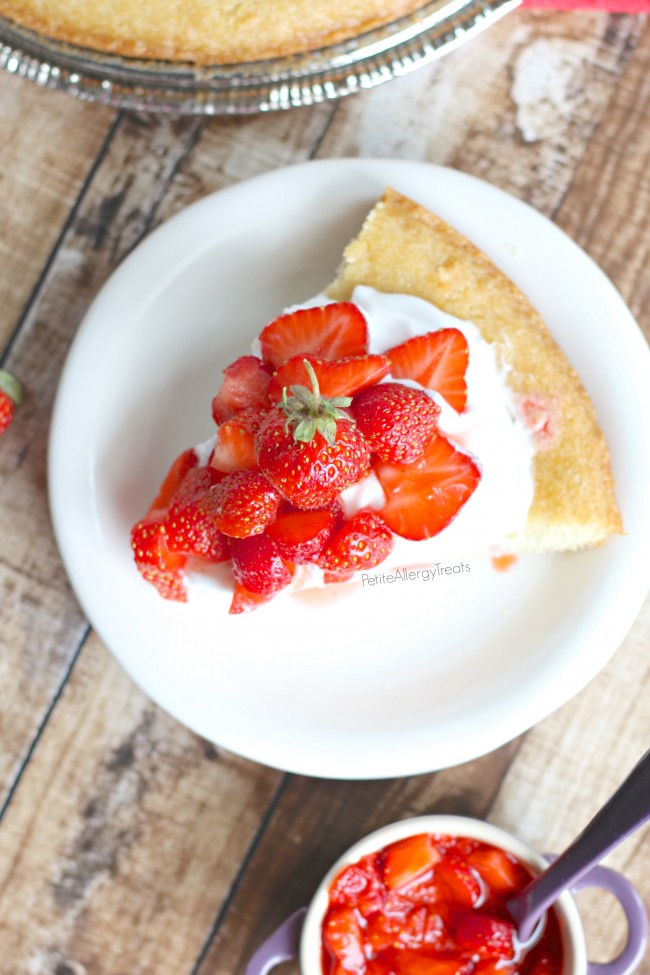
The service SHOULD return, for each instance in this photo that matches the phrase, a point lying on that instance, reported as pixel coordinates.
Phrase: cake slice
(404, 249)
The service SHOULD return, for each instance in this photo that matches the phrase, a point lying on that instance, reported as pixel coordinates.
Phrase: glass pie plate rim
(302, 79)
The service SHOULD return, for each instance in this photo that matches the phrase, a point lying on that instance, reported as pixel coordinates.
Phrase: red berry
(245, 384)
(397, 421)
(243, 503)
(362, 543)
(157, 565)
(488, 937)
(341, 377)
(408, 859)
(424, 497)
(235, 445)
(310, 448)
(11, 395)
(190, 524)
(244, 601)
(302, 535)
(332, 331)
(342, 936)
(258, 566)
(438, 361)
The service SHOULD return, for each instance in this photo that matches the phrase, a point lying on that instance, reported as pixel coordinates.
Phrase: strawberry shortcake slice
(418, 409)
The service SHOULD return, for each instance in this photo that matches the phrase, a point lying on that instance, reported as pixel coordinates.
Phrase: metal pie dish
(182, 88)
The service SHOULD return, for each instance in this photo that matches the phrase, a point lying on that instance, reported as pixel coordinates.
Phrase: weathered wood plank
(49, 144)
(123, 837)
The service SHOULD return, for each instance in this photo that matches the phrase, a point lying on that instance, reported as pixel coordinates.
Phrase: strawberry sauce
(433, 905)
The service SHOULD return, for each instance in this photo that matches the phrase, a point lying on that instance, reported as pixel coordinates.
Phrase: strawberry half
(488, 937)
(408, 859)
(438, 361)
(424, 497)
(235, 445)
(362, 543)
(332, 331)
(190, 525)
(245, 384)
(242, 504)
(157, 565)
(301, 536)
(343, 377)
(244, 601)
(258, 566)
(173, 480)
(397, 421)
(342, 937)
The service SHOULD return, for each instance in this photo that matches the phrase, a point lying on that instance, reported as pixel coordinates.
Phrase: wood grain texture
(124, 836)
(49, 145)
(127, 844)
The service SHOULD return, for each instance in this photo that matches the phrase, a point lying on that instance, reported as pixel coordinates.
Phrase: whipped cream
(489, 429)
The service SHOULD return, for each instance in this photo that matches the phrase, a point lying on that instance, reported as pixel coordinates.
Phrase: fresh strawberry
(342, 937)
(460, 881)
(362, 543)
(359, 885)
(157, 565)
(487, 937)
(244, 601)
(243, 503)
(437, 360)
(310, 448)
(11, 396)
(397, 421)
(407, 860)
(342, 377)
(424, 497)
(173, 480)
(302, 535)
(258, 566)
(245, 383)
(500, 871)
(235, 445)
(190, 525)
(332, 331)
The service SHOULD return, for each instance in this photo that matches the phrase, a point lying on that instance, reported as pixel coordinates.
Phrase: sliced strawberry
(302, 535)
(243, 503)
(359, 885)
(332, 331)
(185, 462)
(397, 421)
(235, 445)
(342, 377)
(407, 860)
(157, 565)
(362, 543)
(257, 565)
(244, 601)
(410, 962)
(422, 927)
(500, 871)
(486, 936)
(437, 360)
(190, 524)
(424, 497)
(459, 880)
(245, 383)
(342, 936)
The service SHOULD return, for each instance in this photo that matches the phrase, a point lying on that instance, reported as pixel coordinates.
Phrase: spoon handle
(627, 809)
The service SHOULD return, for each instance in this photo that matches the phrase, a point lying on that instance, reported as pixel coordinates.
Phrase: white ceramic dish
(369, 683)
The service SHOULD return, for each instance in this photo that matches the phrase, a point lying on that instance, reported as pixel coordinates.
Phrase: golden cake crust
(403, 248)
(205, 31)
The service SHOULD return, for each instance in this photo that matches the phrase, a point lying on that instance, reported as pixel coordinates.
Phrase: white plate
(379, 682)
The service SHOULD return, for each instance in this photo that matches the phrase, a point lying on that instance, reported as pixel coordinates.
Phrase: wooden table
(128, 845)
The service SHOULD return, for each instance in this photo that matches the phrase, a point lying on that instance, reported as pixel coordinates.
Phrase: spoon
(627, 809)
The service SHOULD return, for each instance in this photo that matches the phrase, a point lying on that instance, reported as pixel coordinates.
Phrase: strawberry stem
(309, 413)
